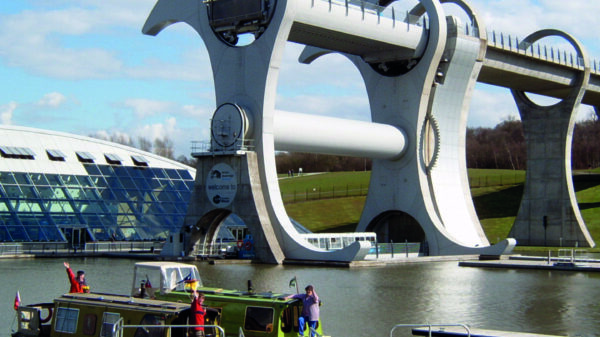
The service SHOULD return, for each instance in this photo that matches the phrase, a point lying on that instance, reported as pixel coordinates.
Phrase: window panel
(38, 179)
(85, 181)
(85, 157)
(17, 233)
(4, 235)
(135, 172)
(22, 178)
(121, 171)
(34, 231)
(66, 320)
(27, 206)
(99, 181)
(259, 319)
(93, 170)
(69, 180)
(46, 192)
(53, 180)
(7, 178)
(59, 193)
(76, 193)
(127, 183)
(12, 191)
(172, 174)
(59, 206)
(52, 233)
(185, 175)
(139, 160)
(107, 170)
(114, 182)
(28, 192)
(158, 172)
(142, 184)
(91, 194)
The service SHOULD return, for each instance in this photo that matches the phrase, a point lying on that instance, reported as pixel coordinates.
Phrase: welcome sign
(221, 185)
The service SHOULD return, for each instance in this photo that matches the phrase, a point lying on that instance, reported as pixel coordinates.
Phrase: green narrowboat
(257, 314)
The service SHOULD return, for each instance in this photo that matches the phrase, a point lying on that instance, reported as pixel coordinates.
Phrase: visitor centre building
(59, 187)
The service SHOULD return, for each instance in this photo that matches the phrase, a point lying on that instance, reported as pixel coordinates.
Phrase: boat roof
(238, 295)
(161, 264)
(123, 301)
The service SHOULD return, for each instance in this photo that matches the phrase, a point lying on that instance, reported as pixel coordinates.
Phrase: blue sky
(84, 67)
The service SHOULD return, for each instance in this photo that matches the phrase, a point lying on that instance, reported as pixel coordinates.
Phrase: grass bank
(496, 196)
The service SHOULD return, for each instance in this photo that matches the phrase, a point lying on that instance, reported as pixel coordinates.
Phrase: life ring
(248, 245)
(240, 243)
(47, 318)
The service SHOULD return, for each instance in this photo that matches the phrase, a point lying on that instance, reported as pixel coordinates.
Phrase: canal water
(360, 301)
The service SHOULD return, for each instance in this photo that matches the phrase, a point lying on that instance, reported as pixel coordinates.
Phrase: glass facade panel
(112, 203)
(21, 178)
(53, 179)
(39, 179)
(7, 178)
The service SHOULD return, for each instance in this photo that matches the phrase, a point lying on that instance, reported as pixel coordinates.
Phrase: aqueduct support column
(549, 214)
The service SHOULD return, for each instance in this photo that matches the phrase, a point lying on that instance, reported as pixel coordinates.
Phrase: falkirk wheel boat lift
(419, 80)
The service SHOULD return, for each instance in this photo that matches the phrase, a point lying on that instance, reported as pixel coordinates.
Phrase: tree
(144, 144)
(164, 147)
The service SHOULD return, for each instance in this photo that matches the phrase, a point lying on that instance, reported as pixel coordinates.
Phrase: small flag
(186, 279)
(293, 282)
(17, 301)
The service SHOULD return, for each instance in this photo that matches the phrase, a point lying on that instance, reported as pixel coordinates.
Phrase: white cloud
(143, 107)
(53, 100)
(491, 106)
(6, 112)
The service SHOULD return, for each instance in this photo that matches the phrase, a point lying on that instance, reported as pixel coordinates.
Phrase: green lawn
(496, 206)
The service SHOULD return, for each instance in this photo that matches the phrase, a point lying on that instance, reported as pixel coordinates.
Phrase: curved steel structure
(419, 82)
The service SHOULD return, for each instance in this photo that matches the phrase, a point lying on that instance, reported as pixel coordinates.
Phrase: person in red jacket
(78, 284)
(197, 314)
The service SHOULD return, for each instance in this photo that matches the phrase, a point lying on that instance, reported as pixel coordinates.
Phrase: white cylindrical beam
(344, 137)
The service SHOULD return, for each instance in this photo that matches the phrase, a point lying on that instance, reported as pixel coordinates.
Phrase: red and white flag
(17, 300)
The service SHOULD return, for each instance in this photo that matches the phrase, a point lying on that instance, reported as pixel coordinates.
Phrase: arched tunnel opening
(218, 233)
(398, 227)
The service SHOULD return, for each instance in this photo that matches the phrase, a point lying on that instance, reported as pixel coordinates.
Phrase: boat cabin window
(259, 319)
(150, 319)
(66, 320)
(109, 320)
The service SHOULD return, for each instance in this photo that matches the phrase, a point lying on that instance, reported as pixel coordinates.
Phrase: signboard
(221, 185)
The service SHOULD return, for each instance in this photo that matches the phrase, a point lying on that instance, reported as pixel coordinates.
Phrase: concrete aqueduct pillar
(549, 214)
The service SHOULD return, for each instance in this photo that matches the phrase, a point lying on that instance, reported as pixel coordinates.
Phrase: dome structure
(60, 187)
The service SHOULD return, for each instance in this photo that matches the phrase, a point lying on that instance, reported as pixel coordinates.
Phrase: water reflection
(362, 301)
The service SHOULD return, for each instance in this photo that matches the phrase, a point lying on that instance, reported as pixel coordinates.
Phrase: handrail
(314, 333)
(429, 326)
(505, 41)
(146, 326)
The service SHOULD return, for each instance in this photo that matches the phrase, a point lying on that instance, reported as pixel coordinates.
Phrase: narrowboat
(161, 297)
(257, 314)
